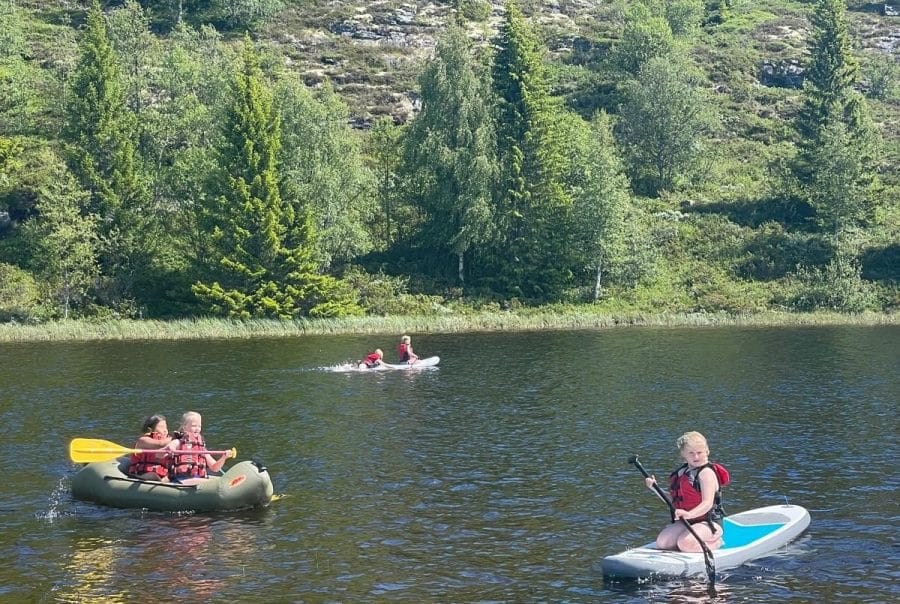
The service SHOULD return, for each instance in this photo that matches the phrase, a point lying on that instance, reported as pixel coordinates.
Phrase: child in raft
(696, 496)
(193, 463)
(152, 465)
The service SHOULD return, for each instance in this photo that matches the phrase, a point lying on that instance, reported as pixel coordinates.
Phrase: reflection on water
(92, 571)
(500, 476)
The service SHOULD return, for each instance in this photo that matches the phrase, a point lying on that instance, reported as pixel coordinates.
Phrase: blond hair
(188, 416)
(404, 339)
(691, 438)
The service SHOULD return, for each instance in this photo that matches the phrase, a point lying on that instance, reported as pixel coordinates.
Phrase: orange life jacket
(150, 461)
(684, 486)
(191, 463)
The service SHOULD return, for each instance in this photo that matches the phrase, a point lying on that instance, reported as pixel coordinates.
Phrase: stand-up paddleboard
(419, 364)
(747, 536)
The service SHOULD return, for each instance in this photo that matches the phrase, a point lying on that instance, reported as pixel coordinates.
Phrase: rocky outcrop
(781, 74)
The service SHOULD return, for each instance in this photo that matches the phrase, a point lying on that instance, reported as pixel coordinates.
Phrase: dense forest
(252, 158)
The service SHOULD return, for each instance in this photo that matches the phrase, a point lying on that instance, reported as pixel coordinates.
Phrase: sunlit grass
(548, 318)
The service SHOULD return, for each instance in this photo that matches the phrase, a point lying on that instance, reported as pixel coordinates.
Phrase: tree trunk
(597, 286)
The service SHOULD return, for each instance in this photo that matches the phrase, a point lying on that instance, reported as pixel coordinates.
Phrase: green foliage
(322, 170)
(449, 155)
(839, 286)
(247, 14)
(63, 239)
(264, 262)
(15, 100)
(473, 10)
(600, 194)
(385, 154)
(772, 252)
(531, 256)
(645, 37)
(19, 294)
(837, 144)
(881, 75)
(662, 124)
(381, 294)
(101, 136)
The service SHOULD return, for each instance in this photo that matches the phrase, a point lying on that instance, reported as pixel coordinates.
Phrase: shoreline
(523, 320)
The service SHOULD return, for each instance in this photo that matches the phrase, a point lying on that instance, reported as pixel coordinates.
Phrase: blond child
(696, 497)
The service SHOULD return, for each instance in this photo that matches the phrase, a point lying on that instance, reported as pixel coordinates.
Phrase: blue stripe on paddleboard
(739, 535)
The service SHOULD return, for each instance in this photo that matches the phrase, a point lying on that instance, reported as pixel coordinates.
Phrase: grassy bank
(527, 320)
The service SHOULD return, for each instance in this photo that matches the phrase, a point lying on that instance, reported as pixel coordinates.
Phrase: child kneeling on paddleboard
(695, 489)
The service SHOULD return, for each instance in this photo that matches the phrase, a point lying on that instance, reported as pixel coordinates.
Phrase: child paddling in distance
(405, 351)
(371, 360)
(192, 463)
(696, 498)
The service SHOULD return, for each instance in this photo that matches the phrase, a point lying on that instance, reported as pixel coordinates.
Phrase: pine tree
(62, 238)
(449, 154)
(100, 132)
(531, 203)
(837, 144)
(263, 248)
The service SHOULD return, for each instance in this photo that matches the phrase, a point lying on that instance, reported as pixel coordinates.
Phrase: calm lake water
(499, 476)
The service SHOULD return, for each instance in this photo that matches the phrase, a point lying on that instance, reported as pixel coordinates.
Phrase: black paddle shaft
(707, 555)
(634, 460)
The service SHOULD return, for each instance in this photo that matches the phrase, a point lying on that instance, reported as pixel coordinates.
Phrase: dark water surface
(500, 476)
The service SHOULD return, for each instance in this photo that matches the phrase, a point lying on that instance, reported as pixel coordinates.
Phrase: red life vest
(403, 351)
(141, 463)
(192, 463)
(372, 360)
(684, 486)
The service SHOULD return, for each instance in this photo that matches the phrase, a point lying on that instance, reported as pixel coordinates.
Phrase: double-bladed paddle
(88, 450)
(707, 554)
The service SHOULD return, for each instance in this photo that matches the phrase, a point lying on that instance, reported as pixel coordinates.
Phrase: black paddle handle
(634, 460)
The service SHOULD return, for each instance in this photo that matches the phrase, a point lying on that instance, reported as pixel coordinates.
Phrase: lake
(499, 476)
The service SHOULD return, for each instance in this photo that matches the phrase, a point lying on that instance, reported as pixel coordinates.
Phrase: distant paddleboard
(418, 364)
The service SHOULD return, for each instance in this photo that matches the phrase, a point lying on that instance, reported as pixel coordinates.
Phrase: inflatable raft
(245, 485)
(747, 535)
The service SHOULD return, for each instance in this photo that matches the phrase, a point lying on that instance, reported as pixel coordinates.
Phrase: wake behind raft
(246, 484)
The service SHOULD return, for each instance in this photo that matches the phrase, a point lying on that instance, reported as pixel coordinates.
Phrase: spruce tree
(101, 136)
(837, 142)
(531, 203)
(264, 260)
(450, 155)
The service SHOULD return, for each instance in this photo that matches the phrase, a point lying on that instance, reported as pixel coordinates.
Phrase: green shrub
(382, 294)
(19, 294)
(839, 286)
(475, 10)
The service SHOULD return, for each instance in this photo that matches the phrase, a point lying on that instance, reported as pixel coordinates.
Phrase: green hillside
(286, 158)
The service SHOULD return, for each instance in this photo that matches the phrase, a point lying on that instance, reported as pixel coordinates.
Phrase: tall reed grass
(548, 318)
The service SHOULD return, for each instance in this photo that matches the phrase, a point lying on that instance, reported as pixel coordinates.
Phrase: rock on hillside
(372, 52)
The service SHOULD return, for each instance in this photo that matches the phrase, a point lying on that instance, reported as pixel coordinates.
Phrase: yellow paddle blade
(88, 450)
